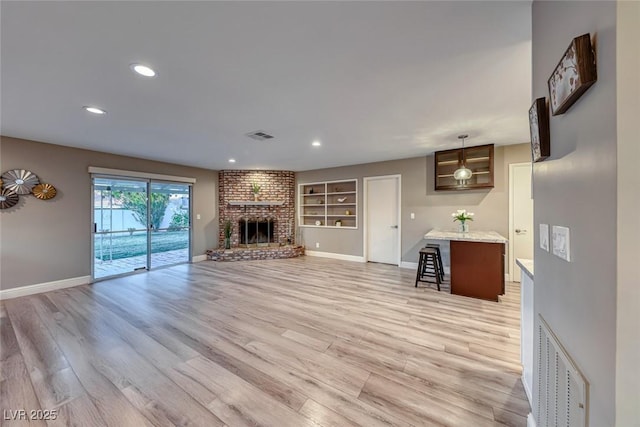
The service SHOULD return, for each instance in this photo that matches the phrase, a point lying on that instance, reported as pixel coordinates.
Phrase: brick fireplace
(271, 219)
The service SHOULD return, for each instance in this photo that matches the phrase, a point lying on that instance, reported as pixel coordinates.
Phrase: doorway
(139, 224)
(382, 229)
(520, 217)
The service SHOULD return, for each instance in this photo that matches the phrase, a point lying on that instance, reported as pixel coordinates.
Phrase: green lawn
(125, 246)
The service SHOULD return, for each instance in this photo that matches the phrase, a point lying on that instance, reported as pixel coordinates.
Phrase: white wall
(628, 313)
(576, 188)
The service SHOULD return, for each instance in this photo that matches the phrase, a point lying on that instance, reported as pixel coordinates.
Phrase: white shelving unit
(329, 203)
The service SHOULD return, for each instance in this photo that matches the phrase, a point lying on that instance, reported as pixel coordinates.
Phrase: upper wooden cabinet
(479, 159)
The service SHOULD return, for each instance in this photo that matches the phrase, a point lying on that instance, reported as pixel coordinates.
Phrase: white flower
(471, 214)
(454, 214)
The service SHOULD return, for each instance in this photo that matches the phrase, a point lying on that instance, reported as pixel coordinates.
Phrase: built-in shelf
(325, 211)
(258, 203)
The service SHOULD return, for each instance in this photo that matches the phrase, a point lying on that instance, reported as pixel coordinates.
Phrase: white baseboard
(199, 258)
(335, 256)
(43, 287)
(527, 389)
(410, 265)
(531, 422)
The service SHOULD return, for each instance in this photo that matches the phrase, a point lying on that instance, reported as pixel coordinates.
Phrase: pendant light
(462, 173)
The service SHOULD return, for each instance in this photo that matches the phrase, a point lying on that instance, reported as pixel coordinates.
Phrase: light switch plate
(544, 237)
(413, 215)
(561, 242)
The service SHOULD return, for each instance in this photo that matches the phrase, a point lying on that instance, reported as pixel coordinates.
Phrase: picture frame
(575, 73)
(539, 128)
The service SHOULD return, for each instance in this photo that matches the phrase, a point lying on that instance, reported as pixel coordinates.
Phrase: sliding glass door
(170, 223)
(139, 225)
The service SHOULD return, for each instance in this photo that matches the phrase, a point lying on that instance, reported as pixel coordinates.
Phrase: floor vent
(259, 135)
(562, 391)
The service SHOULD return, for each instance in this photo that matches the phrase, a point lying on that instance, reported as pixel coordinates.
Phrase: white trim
(409, 265)
(332, 255)
(365, 219)
(135, 174)
(527, 388)
(43, 287)
(531, 422)
(199, 258)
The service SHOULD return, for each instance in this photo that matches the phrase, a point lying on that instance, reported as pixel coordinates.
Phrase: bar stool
(429, 267)
(437, 248)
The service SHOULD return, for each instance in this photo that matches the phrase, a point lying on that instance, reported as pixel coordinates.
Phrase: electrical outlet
(198, 216)
(413, 215)
(317, 244)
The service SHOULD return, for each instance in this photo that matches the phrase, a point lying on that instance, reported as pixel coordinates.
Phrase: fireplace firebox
(256, 231)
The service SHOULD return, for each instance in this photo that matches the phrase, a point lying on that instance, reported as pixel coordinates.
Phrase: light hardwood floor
(298, 342)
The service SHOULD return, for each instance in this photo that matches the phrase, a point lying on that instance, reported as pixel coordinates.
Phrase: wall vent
(259, 135)
(562, 392)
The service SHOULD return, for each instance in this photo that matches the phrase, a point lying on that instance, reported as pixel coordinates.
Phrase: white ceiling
(371, 80)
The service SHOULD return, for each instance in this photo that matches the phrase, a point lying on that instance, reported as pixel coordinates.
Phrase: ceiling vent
(259, 135)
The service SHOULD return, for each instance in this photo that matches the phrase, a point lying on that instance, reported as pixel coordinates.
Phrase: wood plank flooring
(298, 342)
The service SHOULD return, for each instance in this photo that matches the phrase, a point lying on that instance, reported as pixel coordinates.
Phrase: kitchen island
(477, 262)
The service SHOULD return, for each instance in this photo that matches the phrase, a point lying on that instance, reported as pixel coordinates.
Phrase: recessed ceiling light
(143, 70)
(95, 110)
(232, 160)
(316, 143)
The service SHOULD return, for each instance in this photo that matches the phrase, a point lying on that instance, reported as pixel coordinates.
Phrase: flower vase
(227, 242)
(464, 227)
(255, 197)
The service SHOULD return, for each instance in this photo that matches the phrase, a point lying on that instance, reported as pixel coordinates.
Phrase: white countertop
(469, 236)
(526, 265)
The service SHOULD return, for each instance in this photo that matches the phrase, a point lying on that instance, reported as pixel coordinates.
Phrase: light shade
(462, 174)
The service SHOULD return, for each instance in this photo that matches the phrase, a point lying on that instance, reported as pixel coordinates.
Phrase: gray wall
(55, 236)
(576, 188)
(432, 208)
(628, 301)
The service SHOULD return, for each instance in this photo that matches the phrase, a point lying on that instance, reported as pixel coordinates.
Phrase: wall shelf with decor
(478, 159)
(328, 204)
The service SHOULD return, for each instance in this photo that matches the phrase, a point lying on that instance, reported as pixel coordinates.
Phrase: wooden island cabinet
(477, 262)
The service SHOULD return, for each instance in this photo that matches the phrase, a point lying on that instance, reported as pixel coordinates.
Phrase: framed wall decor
(539, 127)
(574, 74)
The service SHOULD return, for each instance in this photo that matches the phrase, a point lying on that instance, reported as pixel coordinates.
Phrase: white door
(521, 240)
(382, 227)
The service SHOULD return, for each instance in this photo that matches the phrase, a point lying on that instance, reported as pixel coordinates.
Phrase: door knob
(394, 226)
(520, 231)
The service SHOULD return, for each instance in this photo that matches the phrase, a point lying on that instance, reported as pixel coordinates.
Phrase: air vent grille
(562, 392)
(259, 135)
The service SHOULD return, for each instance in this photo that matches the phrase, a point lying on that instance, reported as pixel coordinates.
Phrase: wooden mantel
(259, 203)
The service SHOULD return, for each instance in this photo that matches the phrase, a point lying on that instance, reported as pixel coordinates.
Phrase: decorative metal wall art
(8, 198)
(20, 180)
(44, 191)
